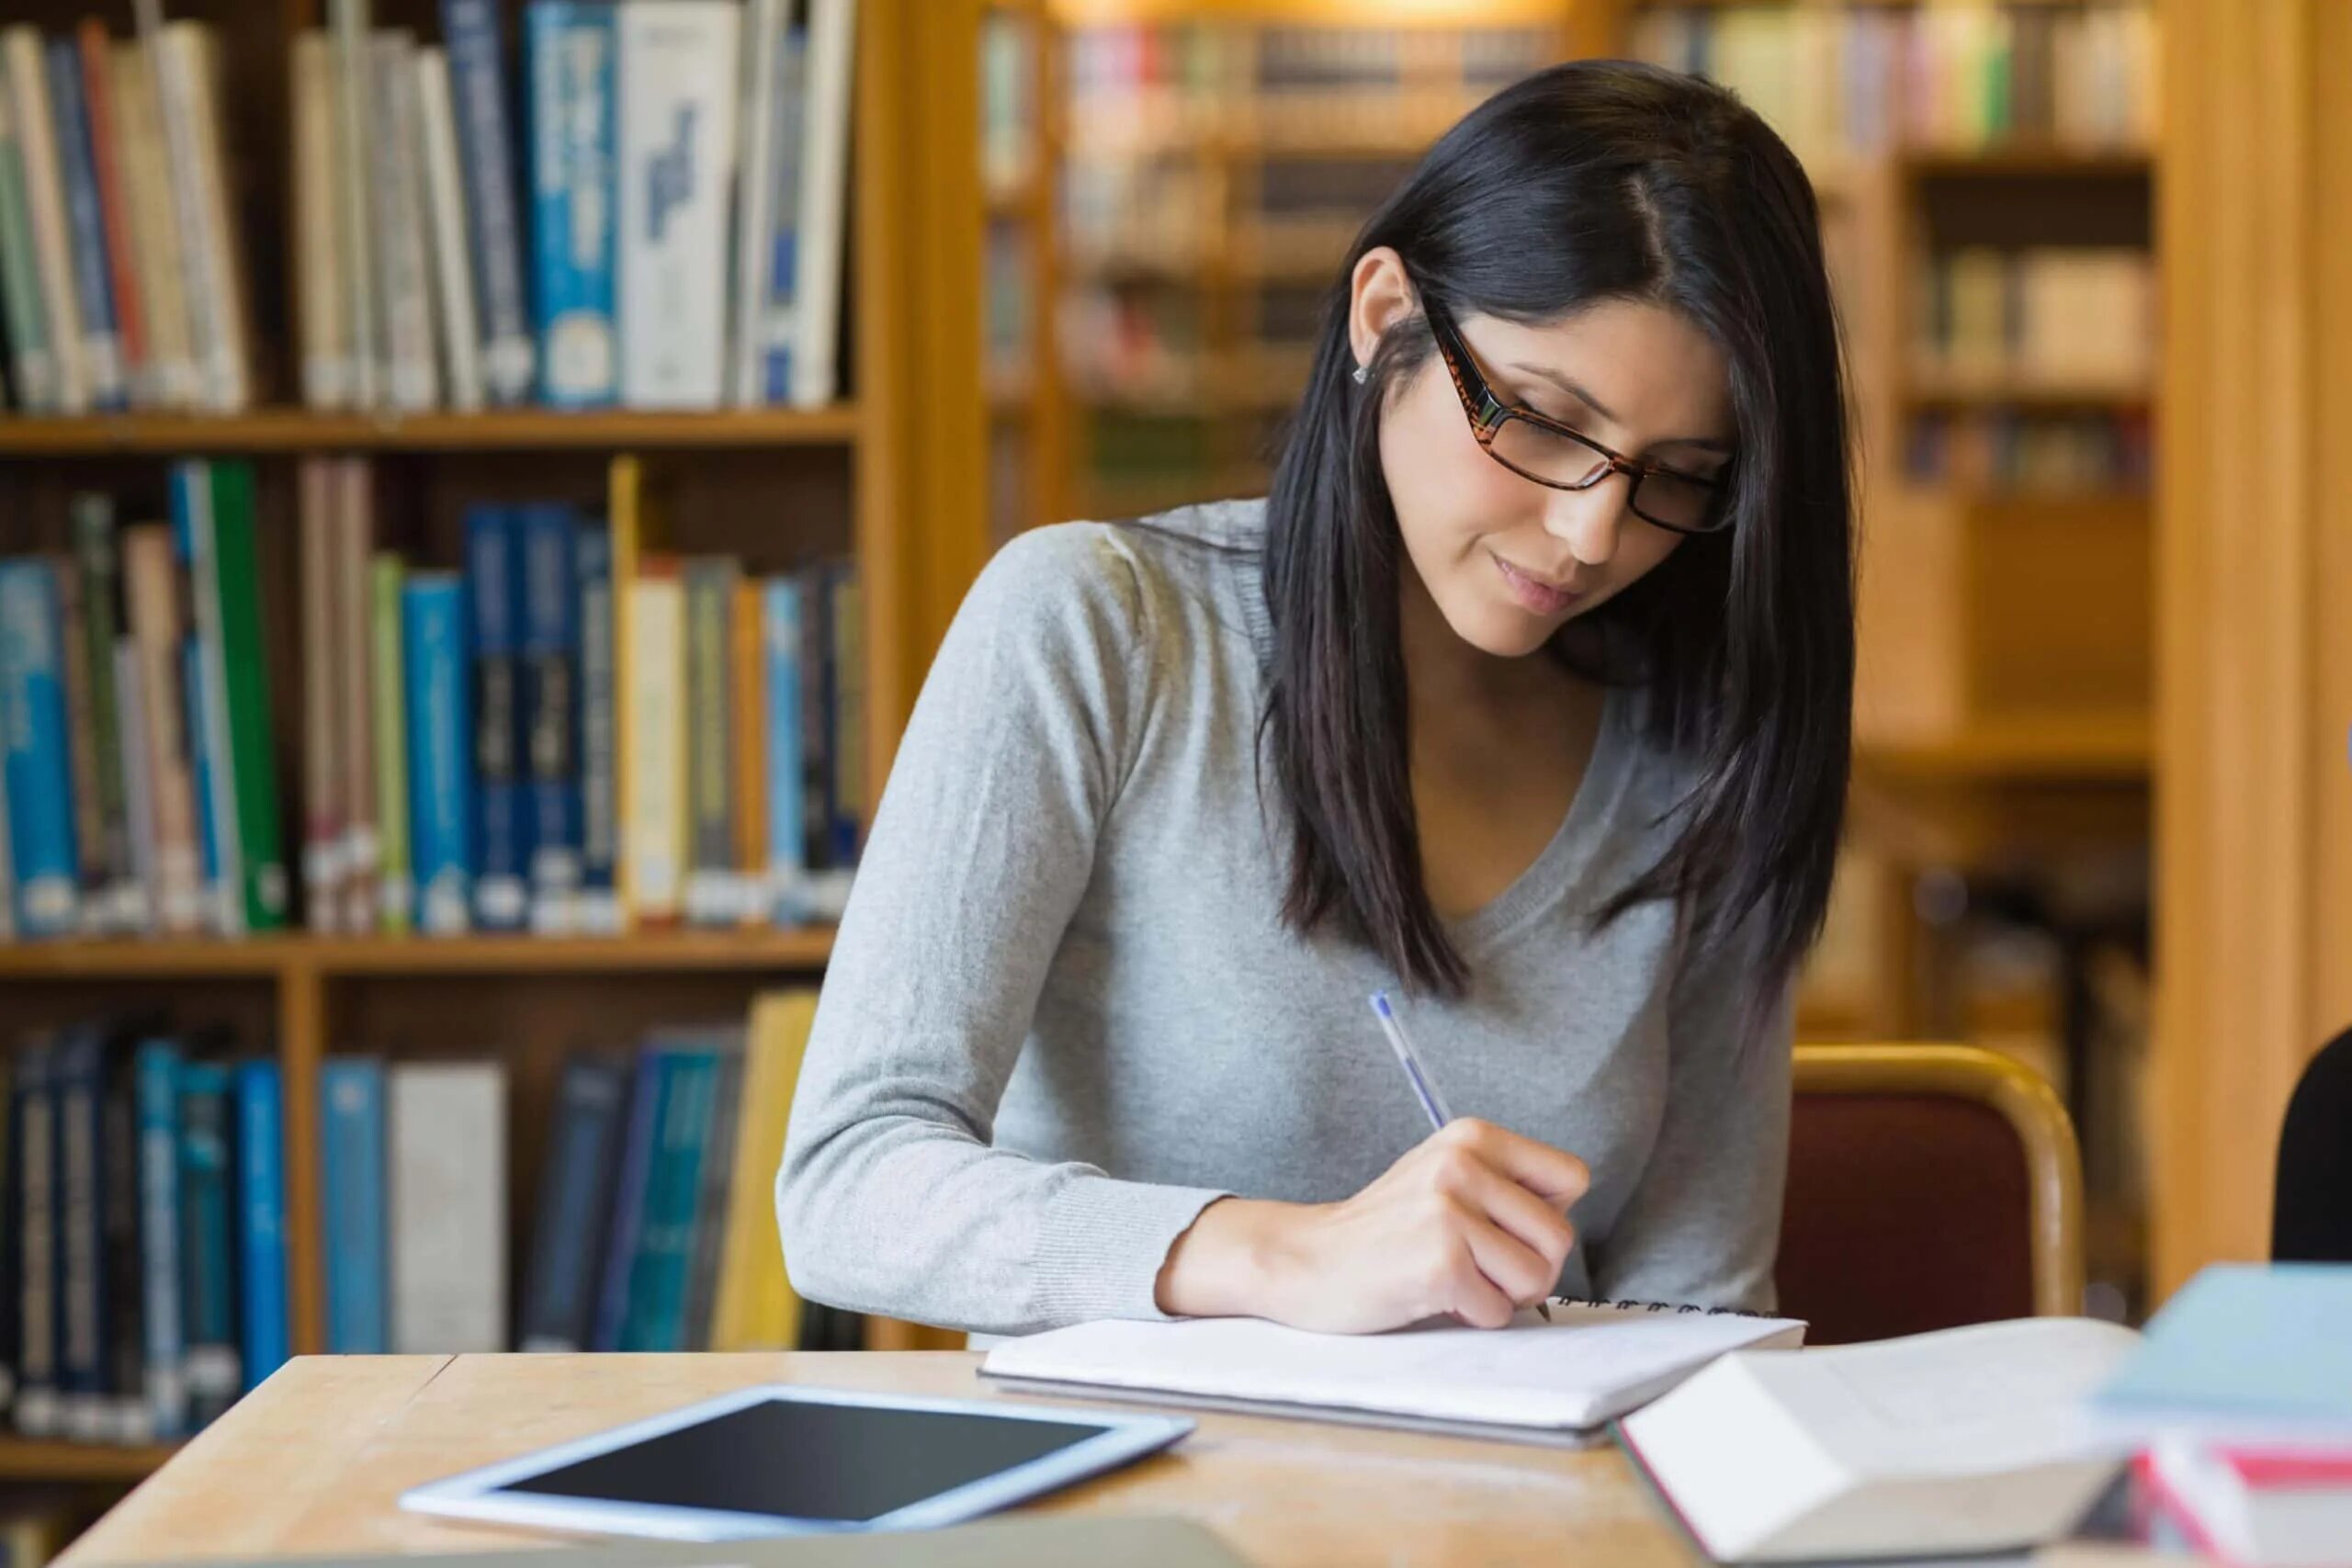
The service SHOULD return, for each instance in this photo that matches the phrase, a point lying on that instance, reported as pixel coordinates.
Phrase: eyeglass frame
(1489, 413)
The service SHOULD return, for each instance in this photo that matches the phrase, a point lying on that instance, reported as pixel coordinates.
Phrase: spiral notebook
(1539, 1381)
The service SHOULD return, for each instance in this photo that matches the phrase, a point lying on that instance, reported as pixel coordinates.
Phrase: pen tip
(1380, 1003)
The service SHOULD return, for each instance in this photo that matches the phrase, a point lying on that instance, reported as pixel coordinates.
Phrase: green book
(236, 579)
(98, 564)
(386, 576)
(20, 279)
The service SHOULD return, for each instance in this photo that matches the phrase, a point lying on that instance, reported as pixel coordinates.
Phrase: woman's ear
(1379, 295)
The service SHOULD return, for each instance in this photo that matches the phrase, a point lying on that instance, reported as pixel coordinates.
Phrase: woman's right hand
(1470, 1224)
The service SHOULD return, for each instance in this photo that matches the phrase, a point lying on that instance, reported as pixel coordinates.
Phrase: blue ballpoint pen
(1424, 1087)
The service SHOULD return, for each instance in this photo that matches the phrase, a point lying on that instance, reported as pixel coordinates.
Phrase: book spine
(236, 580)
(710, 762)
(404, 283)
(448, 1177)
(35, 753)
(208, 820)
(208, 1258)
(440, 755)
(159, 1237)
(98, 570)
(351, 1090)
(8, 899)
(154, 230)
(678, 75)
(208, 685)
(37, 1409)
(478, 87)
(787, 862)
(443, 202)
(653, 749)
(99, 107)
(45, 205)
(574, 1203)
(747, 722)
(323, 312)
(11, 1212)
(756, 1306)
(764, 29)
(574, 136)
(502, 890)
(31, 357)
(141, 908)
(323, 806)
(816, 738)
(676, 1095)
(599, 900)
(93, 896)
(550, 715)
(355, 198)
(157, 632)
(706, 1232)
(85, 228)
(648, 1089)
(823, 192)
(81, 1323)
(845, 706)
(128, 1416)
(261, 1189)
(386, 582)
(189, 90)
(777, 325)
(357, 732)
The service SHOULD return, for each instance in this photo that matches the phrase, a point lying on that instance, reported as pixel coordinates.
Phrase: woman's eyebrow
(1574, 390)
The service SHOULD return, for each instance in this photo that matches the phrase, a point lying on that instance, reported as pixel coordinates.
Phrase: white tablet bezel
(476, 1495)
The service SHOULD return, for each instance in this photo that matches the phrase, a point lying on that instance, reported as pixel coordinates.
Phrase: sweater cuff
(1104, 1243)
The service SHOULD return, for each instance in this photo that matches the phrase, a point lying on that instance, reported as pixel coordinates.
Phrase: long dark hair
(1591, 180)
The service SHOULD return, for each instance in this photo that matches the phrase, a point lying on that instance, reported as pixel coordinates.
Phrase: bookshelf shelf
(2028, 160)
(522, 430)
(268, 957)
(27, 1459)
(2086, 747)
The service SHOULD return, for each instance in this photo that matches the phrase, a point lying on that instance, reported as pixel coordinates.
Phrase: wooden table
(313, 1460)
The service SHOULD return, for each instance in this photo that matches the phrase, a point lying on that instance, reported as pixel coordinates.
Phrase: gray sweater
(1063, 1014)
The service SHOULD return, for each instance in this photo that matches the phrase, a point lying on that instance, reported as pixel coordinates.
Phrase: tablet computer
(783, 1460)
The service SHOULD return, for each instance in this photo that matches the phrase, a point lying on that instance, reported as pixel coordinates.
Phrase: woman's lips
(1534, 595)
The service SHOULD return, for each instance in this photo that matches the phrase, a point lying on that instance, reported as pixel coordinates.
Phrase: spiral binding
(1680, 1309)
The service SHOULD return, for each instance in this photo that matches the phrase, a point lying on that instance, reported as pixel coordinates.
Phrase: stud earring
(1362, 372)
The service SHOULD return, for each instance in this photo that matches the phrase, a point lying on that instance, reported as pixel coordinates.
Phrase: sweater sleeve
(1704, 1224)
(891, 1199)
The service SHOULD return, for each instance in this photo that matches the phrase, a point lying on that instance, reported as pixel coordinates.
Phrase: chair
(1929, 1185)
(2312, 1220)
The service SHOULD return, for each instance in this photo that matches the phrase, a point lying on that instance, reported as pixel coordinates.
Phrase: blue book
(780, 644)
(261, 1200)
(494, 213)
(78, 1086)
(2264, 1350)
(502, 859)
(92, 280)
(208, 855)
(575, 146)
(783, 129)
(592, 559)
(351, 1126)
(549, 649)
(440, 758)
(210, 742)
(208, 1241)
(575, 1200)
(157, 1077)
(41, 848)
(665, 1249)
(647, 1094)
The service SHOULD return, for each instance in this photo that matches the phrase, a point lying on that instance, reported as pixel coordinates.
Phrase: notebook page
(1572, 1371)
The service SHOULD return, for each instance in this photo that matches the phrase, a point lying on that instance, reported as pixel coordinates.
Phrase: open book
(1970, 1439)
(1536, 1378)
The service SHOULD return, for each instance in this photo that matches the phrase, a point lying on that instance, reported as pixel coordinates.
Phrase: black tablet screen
(807, 1460)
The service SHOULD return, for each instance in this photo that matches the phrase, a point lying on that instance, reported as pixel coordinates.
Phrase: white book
(678, 74)
(29, 357)
(355, 209)
(445, 207)
(1538, 1379)
(446, 1201)
(326, 356)
(404, 279)
(824, 183)
(186, 59)
(170, 365)
(45, 201)
(1969, 1440)
(755, 199)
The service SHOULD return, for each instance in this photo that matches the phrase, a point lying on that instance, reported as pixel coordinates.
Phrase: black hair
(1591, 180)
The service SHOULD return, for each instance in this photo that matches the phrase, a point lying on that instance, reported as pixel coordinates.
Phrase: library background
(448, 652)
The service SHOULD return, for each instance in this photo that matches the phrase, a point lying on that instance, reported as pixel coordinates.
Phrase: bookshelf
(868, 477)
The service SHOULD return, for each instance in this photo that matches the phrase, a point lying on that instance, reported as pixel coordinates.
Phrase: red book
(114, 210)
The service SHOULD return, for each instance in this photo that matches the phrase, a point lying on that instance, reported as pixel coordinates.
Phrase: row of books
(545, 741)
(1862, 80)
(2044, 454)
(682, 164)
(142, 1285)
(2075, 316)
(122, 279)
(138, 779)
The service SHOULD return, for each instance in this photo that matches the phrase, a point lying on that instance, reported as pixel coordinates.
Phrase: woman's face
(1509, 562)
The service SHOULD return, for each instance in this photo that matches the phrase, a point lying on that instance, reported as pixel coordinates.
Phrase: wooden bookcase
(878, 475)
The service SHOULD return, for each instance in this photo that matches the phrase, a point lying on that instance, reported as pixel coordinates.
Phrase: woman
(1522, 695)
